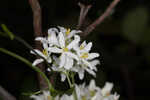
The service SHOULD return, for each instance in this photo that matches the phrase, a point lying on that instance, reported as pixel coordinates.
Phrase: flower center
(65, 49)
(83, 98)
(84, 55)
(92, 93)
(68, 31)
(45, 52)
(81, 47)
(48, 97)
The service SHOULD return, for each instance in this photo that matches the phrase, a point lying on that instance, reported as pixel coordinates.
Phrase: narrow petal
(52, 39)
(62, 29)
(71, 55)
(40, 53)
(87, 63)
(54, 50)
(92, 56)
(37, 61)
(91, 72)
(92, 85)
(49, 60)
(63, 77)
(62, 60)
(74, 42)
(61, 40)
(52, 30)
(69, 63)
(73, 32)
(88, 47)
(81, 74)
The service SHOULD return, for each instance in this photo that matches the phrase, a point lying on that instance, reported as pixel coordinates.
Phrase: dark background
(123, 40)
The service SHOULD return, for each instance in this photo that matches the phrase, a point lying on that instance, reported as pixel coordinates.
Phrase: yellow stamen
(92, 93)
(107, 94)
(68, 31)
(81, 47)
(45, 52)
(83, 98)
(48, 97)
(65, 49)
(84, 55)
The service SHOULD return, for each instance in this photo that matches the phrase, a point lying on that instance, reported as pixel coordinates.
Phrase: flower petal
(81, 74)
(69, 63)
(37, 61)
(54, 50)
(87, 63)
(62, 60)
(74, 42)
(63, 77)
(52, 39)
(71, 55)
(73, 32)
(61, 39)
(91, 72)
(40, 53)
(52, 30)
(87, 48)
(92, 56)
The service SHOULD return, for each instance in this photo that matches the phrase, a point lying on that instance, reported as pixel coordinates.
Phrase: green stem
(30, 65)
(69, 81)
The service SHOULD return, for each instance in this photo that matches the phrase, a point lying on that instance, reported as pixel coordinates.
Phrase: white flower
(106, 90)
(68, 33)
(45, 55)
(66, 58)
(52, 38)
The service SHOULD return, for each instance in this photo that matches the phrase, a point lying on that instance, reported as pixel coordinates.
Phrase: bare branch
(4, 95)
(83, 12)
(37, 23)
(98, 21)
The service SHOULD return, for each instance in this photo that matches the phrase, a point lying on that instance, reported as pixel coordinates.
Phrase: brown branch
(98, 21)
(37, 23)
(4, 95)
(83, 12)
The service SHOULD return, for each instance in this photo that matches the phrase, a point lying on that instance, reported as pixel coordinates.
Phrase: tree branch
(83, 12)
(98, 21)
(4, 95)
(37, 23)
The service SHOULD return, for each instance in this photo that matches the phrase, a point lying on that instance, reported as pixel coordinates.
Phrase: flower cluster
(91, 92)
(62, 49)
(65, 53)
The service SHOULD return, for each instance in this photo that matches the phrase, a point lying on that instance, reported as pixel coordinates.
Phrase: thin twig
(6, 95)
(83, 12)
(98, 21)
(37, 23)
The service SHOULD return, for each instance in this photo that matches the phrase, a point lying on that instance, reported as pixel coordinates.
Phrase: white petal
(74, 42)
(92, 56)
(62, 60)
(91, 72)
(53, 39)
(81, 74)
(107, 88)
(49, 60)
(87, 63)
(37, 61)
(54, 50)
(40, 39)
(48, 69)
(71, 55)
(87, 48)
(69, 63)
(73, 32)
(40, 53)
(61, 40)
(92, 85)
(63, 77)
(52, 30)
(62, 29)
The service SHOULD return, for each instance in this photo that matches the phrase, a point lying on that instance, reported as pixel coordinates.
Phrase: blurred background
(123, 40)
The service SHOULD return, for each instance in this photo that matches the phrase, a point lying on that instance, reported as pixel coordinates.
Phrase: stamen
(45, 52)
(48, 97)
(68, 31)
(65, 49)
(84, 55)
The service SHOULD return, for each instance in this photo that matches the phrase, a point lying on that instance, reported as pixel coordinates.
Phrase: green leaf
(6, 30)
